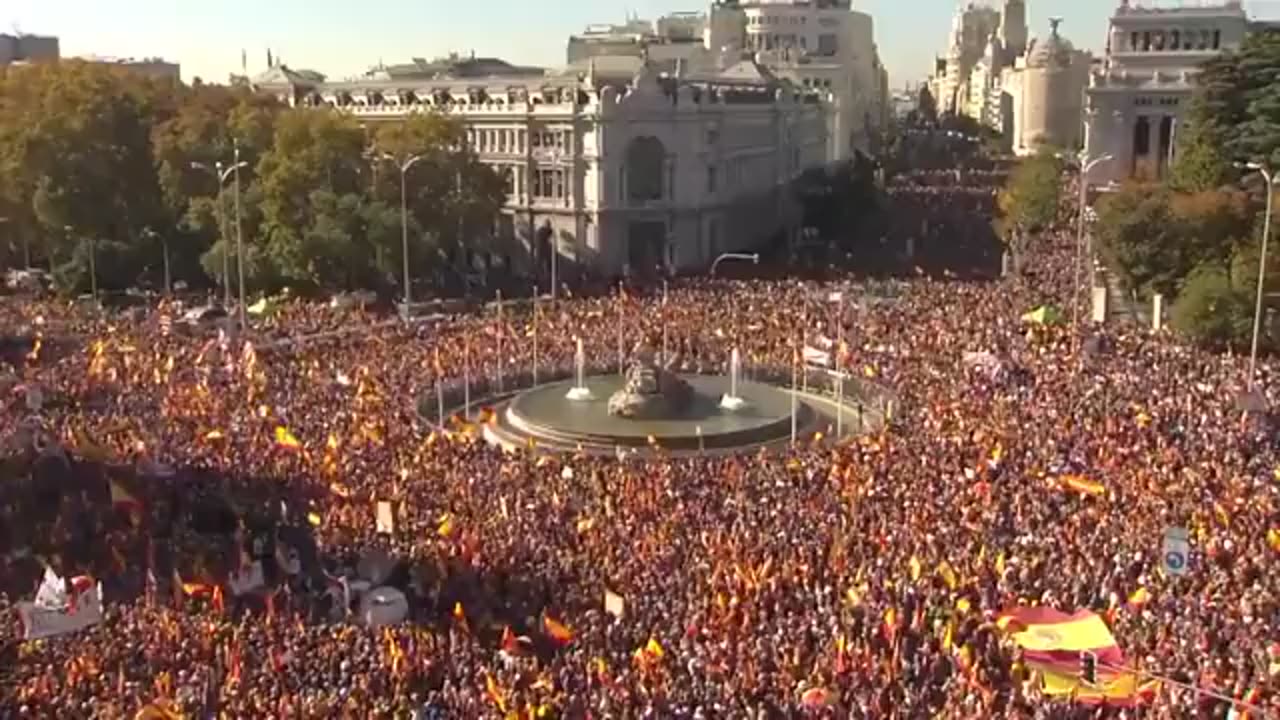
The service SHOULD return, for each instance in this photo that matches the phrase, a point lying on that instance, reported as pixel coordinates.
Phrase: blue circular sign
(1175, 560)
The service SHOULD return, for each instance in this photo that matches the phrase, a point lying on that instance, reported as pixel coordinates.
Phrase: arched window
(646, 159)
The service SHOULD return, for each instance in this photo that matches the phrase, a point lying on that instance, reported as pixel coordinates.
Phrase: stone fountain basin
(545, 413)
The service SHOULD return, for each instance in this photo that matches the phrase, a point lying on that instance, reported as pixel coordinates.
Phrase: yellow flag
(948, 575)
(914, 564)
(1000, 564)
(445, 529)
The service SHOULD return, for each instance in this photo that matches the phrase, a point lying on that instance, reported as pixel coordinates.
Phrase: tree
(1029, 201)
(1211, 309)
(1234, 114)
(1136, 237)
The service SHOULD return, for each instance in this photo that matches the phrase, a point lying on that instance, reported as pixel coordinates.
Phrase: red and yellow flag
(557, 630)
(286, 439)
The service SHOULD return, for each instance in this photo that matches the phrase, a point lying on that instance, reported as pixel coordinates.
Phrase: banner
(247, 579)
(42, 622)
(384, 518)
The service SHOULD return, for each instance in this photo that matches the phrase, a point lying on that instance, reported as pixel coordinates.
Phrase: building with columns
(1137, 97)
(610, 171)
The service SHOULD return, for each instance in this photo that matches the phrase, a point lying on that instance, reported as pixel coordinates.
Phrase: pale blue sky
(342, 38)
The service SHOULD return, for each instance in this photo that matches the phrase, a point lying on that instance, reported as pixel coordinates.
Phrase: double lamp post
(221, 173)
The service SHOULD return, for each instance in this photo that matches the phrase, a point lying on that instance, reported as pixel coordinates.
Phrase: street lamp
(404, 217)
(93, 261)
(221, 173)
(164, 254)
(1085, 166)
(1262, 268)
(753, 257)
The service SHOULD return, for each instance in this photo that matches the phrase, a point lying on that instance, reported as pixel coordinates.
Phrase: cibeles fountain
(653, 406)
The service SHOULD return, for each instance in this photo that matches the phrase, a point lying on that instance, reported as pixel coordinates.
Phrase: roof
(282, 75)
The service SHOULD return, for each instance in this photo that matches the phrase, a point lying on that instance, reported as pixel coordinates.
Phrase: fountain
(732, 401)
(580, 392)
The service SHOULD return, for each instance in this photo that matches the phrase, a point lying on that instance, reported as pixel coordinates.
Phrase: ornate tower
(1013, 28)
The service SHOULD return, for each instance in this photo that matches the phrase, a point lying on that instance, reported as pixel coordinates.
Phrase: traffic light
(1089, 668)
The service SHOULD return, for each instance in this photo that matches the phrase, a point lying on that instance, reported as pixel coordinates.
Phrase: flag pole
(664, 322)
(499, 330)
(439, 390)
(535, 335)
(840, 366)
(794, 400)
(622, 312)
(466, 376)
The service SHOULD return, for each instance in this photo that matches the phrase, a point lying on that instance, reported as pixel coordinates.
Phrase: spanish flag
(495, 693)
(1053, 641)
(285, 439)
(445, 528)
(557, 630)
(653, 650)
(1082, 485)
(1111, 691)
(158, 710)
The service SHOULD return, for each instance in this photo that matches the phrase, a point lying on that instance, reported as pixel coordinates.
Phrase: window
(1146, 41)
(1176, 40)
(509, 181)
(1133, 40)
(711, 179)
(827, 44)
(548, 183)
(1217, 39)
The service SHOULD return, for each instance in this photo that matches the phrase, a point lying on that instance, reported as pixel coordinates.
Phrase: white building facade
(1136, 100)
(651, 172)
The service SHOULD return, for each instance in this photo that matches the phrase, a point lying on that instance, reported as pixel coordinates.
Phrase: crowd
(854, 579)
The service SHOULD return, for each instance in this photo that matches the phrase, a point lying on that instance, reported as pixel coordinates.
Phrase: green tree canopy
(93, 157)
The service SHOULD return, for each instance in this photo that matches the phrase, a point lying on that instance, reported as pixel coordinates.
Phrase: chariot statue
(652, 391)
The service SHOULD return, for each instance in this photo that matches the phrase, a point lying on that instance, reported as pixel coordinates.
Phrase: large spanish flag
(1111, 690)
(1053, 641)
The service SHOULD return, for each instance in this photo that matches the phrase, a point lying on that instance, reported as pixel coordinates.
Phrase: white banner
(384, 518)
(247, 579)
(41, 622)
(814, 356)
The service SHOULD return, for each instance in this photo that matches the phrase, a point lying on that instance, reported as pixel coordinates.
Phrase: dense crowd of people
(853, 578)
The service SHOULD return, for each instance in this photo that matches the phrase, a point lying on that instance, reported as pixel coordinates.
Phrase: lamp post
(235, 167)
(753, 257)
(221, 173)
(1085, 166)
(164, 256)
(1262, 269)
(404, 166)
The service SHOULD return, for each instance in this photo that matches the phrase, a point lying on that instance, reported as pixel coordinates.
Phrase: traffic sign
(1175, 550)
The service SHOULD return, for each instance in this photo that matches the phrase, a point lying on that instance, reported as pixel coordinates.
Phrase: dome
(1054, 50)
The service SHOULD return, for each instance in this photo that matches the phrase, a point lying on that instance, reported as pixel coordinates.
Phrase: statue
(651, 391)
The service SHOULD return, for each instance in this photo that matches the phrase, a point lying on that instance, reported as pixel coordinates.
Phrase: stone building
(824, 45)
(1030, 90)
(1136, 99)
(610, 171)
(28, 48)
(1043, 96)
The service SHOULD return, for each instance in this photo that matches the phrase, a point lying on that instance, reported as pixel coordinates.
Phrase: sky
(343, 39)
